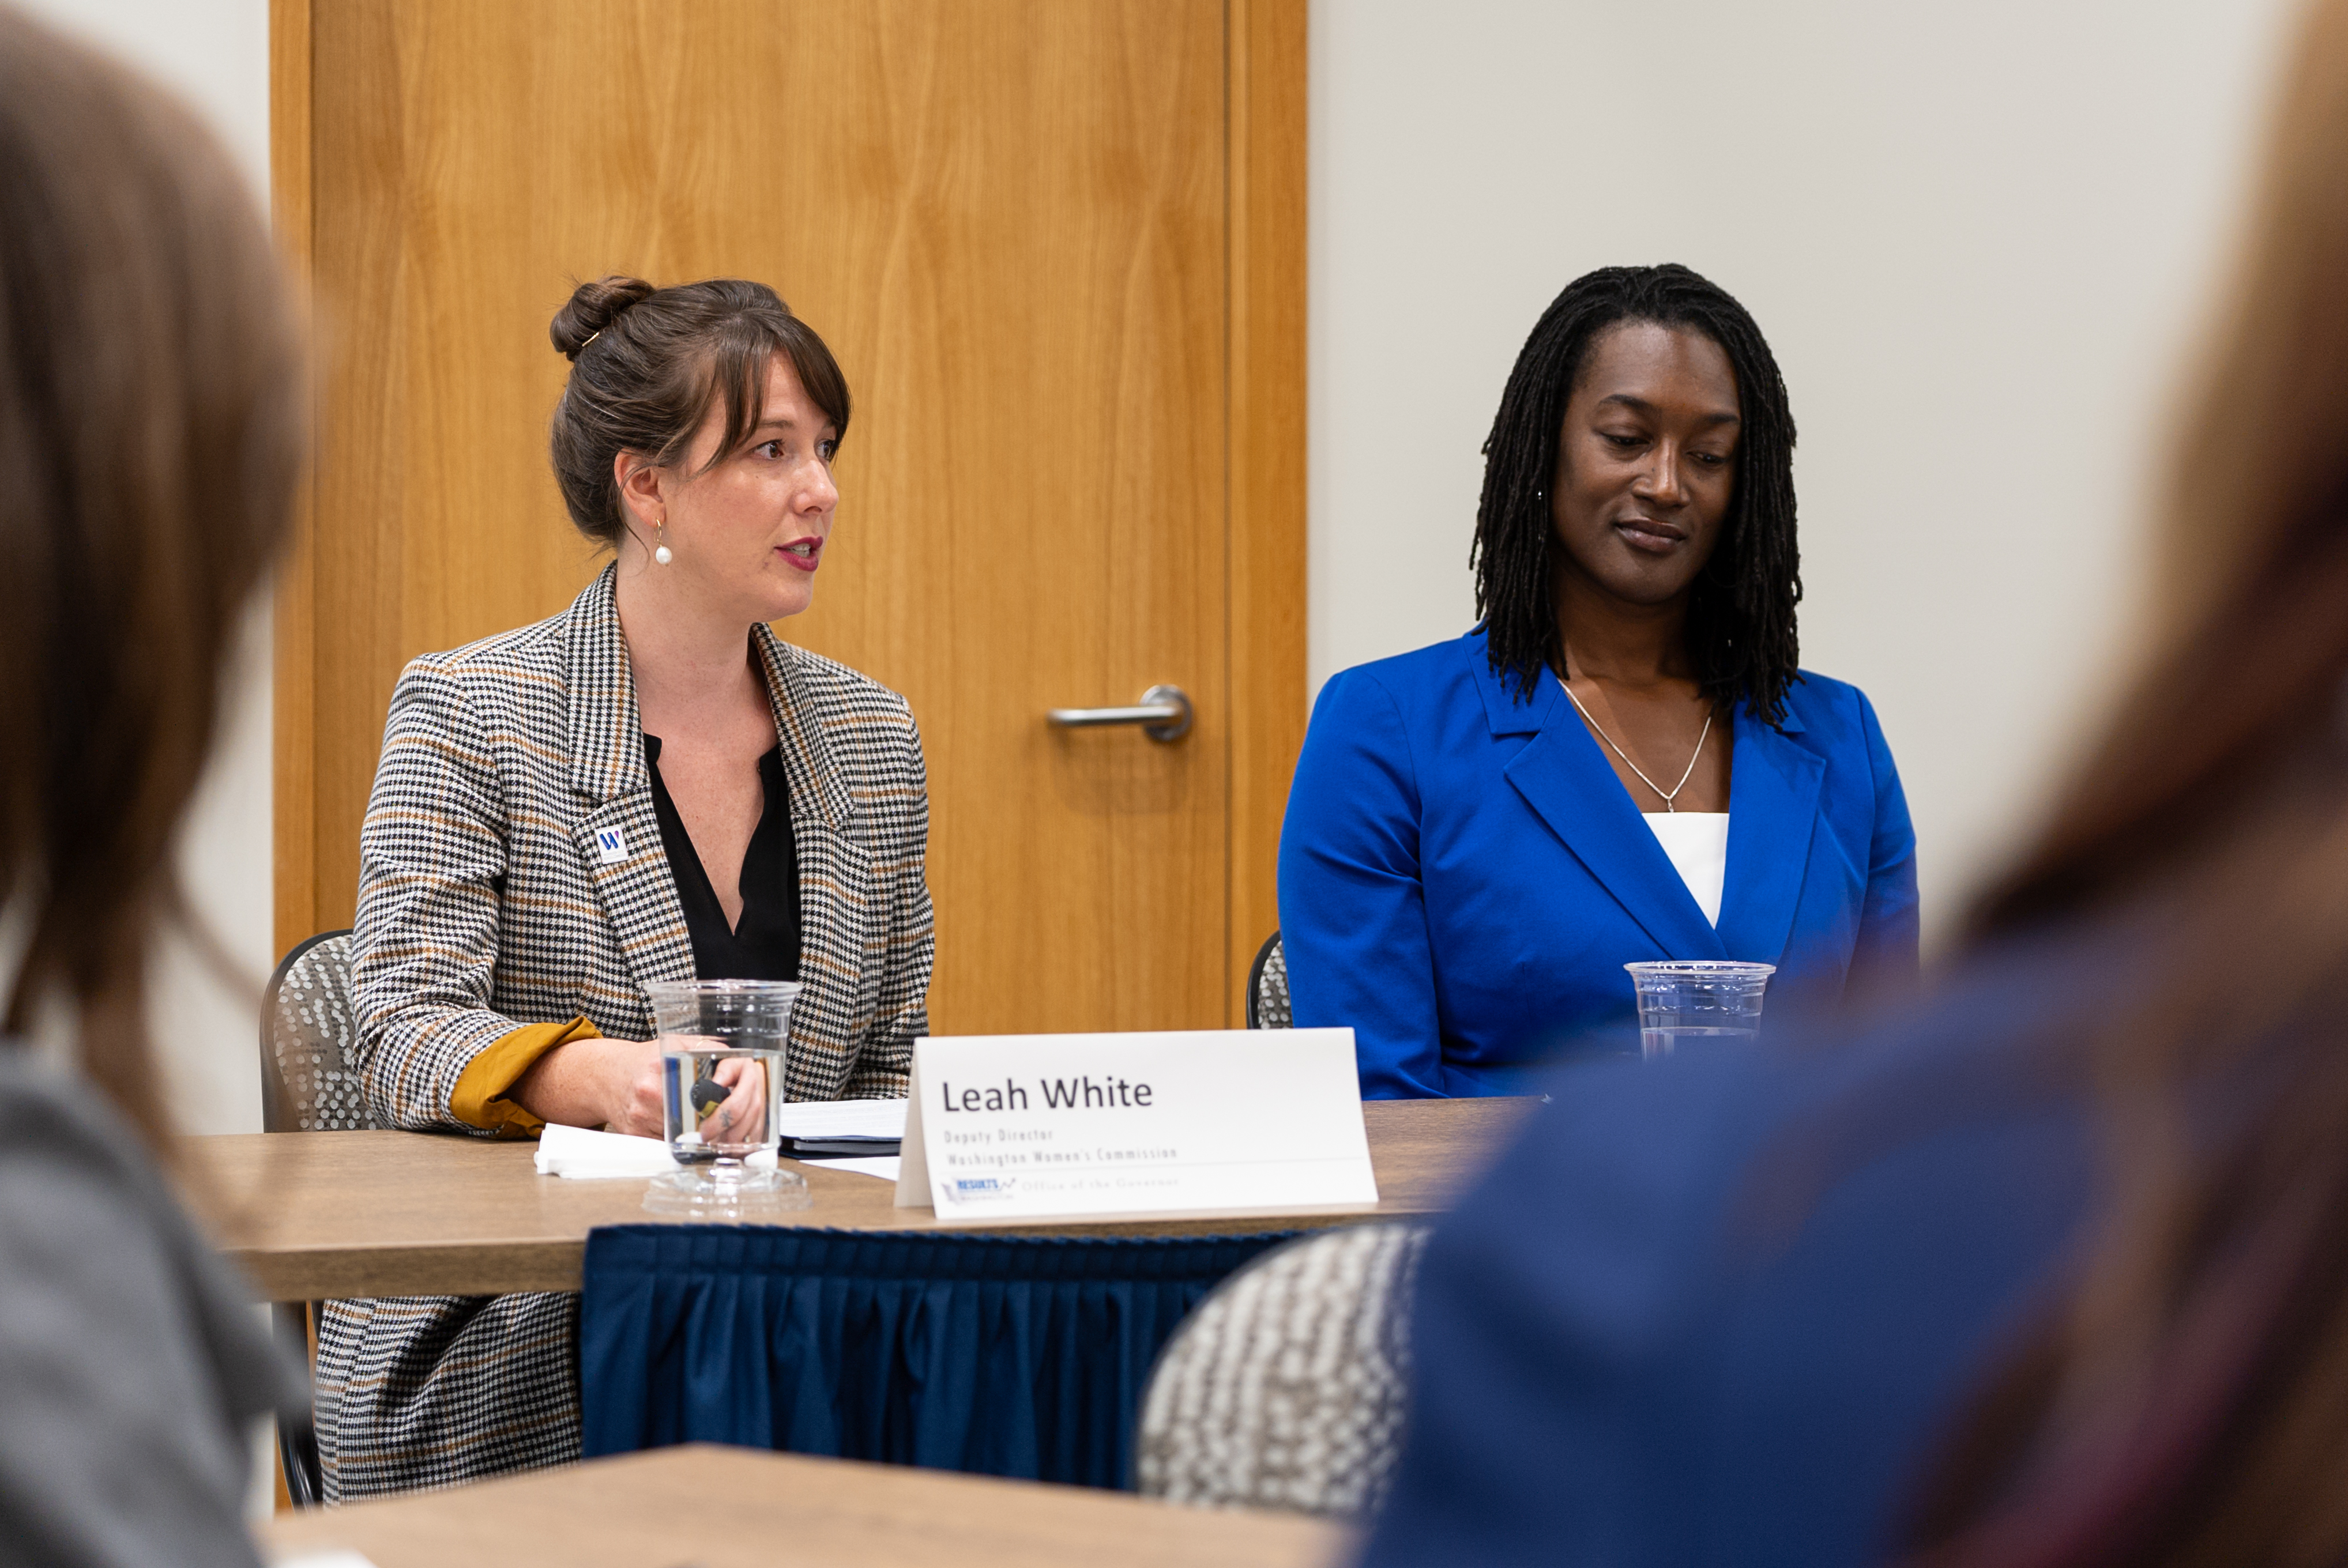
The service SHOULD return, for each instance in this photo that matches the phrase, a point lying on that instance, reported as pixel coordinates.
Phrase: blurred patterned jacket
(511, 872)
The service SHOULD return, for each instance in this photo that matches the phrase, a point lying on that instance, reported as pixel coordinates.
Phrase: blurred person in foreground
(150, 409)
(2054, 1271)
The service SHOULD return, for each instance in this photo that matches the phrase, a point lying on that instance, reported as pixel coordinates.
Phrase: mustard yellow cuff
(480, 1098)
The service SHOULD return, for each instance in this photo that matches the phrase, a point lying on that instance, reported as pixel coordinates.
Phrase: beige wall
(1975, 231)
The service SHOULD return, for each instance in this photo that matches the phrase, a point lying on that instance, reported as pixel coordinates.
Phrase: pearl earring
(661, 553)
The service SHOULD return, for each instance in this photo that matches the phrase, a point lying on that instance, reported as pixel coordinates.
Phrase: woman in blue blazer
(2051, 1270)
(1622, 760)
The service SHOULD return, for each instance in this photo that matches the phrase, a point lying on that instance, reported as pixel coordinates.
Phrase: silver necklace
(1704, 735)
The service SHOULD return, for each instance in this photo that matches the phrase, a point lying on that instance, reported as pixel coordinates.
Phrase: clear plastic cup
(722, 1044)
(1698, 999)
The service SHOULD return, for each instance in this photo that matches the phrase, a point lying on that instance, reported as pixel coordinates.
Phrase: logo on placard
(612, 844)
(983, 1189)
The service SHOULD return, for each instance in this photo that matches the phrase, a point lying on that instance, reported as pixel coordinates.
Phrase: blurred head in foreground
(149, 434)
(149, 410)
(2189, 1401)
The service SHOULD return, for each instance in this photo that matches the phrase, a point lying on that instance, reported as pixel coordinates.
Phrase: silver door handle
(1164, 714)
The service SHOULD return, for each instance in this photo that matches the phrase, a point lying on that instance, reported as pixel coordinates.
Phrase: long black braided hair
(1740, 626)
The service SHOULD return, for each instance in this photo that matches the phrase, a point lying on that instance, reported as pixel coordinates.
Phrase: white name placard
(1220, 1121)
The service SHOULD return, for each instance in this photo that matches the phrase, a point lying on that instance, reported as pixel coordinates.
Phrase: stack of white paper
(582, 1152)
(841, 1119)
(579, 1152)
(848, 1118)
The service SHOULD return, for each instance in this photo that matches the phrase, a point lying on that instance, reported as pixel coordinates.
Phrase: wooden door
(1057, 246)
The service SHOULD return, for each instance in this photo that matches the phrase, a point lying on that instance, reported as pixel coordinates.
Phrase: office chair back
(1267, 987)
(308, 1085)
(1285, 1387)
(307, 1033)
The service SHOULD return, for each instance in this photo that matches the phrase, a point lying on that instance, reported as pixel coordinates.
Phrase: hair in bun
(592, 309)
(664, 358)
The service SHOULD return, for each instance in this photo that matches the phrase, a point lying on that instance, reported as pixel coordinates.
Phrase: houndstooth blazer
(488, 898)
(511, 872)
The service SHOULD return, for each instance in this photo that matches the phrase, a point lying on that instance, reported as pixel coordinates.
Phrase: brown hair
(647, 366)
(2187, 1399)
(150, 408)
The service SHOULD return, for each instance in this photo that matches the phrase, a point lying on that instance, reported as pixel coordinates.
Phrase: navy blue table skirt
(1015, 1356)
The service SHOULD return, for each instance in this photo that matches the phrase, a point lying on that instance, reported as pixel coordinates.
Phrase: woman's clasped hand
(614, 1084)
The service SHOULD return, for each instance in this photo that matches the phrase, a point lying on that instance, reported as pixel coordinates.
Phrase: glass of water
(721, 1045)
(1698, 999)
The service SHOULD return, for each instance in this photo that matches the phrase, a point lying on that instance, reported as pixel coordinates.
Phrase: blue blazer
(1463, 876)
(1726, 1308)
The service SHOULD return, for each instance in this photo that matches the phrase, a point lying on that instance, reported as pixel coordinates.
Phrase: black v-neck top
(766, 944)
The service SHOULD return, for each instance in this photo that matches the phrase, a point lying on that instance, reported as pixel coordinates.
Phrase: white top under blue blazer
(1463, 876)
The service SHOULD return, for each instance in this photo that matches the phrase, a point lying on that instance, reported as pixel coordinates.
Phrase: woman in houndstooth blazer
(568, 811)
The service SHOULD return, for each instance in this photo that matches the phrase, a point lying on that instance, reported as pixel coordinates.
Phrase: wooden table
(312, 1215)
(720, 1508)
